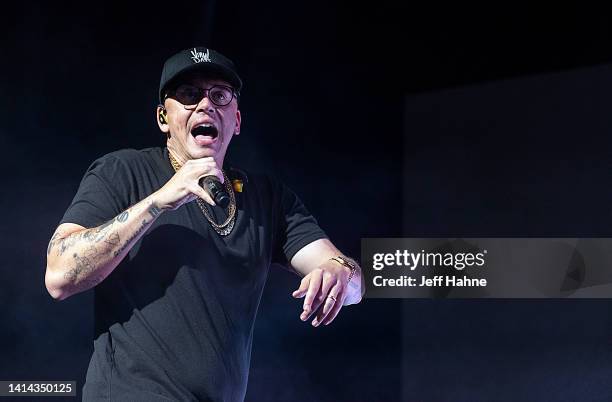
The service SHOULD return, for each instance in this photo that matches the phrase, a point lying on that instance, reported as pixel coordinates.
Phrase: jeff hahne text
(405, 259)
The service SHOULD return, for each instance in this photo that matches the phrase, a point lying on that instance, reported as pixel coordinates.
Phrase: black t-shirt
(174, 320)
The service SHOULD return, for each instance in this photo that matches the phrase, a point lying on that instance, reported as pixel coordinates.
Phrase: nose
(205, 105)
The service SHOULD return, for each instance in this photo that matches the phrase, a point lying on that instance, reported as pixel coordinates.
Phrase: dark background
(349, 105)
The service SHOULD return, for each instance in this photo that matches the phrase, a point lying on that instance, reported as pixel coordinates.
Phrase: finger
(313, 289)
(213, 172)
(301, 291)
(329, 283)
(335, 310)
(211, 169)
(200, 192)
(205, 167)
(331, 300)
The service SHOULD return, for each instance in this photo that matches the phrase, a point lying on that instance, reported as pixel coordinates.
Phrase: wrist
(155, 206)
(348, 264)
(354, 283)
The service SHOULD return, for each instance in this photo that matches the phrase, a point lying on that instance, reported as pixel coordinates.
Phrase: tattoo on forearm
(113, 239)
(52, 242)
(83, 265)
(83, 274)
(94, 235)
(142, 227)
(154, 211)
(123, 216)
(99, 234)
(66, 243)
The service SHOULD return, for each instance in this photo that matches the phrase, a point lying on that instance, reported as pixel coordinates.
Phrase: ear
(237, 128)
(161, 117)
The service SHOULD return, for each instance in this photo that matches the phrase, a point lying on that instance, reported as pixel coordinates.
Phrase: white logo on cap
(199, 57)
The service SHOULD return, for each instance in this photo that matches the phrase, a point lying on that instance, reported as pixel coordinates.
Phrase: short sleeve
(97, 199)
(296, 227)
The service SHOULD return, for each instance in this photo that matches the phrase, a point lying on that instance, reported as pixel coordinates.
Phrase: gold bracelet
(350, 265)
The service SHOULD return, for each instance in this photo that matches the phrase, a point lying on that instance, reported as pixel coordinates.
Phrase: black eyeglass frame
(203, 92)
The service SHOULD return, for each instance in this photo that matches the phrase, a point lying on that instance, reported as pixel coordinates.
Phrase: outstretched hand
(326, 291)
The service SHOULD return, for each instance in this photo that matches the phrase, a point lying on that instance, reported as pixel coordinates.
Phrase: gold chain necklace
(226, 227)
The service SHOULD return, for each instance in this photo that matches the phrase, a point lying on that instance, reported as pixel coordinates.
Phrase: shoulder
(130, 155)
(127, 158)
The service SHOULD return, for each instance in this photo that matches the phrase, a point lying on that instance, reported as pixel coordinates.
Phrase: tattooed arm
(79, 258)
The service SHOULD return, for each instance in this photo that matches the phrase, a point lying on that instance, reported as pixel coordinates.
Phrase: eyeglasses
(190, 95)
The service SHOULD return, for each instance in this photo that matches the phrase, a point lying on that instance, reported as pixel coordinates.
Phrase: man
(178, 278)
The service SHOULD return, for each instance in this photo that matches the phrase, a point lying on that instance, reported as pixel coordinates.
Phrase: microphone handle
(216, 190)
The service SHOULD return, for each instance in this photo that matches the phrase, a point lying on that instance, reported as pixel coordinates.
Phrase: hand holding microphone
(196, 178)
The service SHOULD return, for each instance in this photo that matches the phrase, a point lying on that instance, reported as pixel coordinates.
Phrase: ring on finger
(331, 297)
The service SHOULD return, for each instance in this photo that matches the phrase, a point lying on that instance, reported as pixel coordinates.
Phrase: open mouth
(206, 130)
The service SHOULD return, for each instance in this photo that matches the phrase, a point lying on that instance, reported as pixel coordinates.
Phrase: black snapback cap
(198, 59)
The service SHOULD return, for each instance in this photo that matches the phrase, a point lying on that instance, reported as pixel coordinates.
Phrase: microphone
(216, 190)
